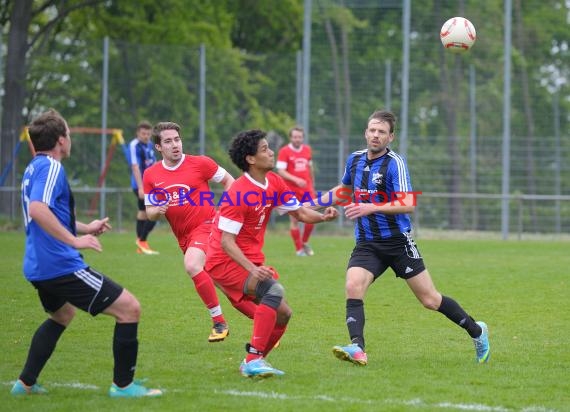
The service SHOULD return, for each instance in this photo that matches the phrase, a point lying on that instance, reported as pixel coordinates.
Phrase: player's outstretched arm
(308, 215)
(96, 227)
(340, 195)
(43, 216)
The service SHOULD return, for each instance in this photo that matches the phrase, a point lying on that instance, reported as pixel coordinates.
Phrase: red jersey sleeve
(207, 166)
(232, 213)
(282, 156)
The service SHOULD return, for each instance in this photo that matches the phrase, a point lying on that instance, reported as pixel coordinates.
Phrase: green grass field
(418, 360)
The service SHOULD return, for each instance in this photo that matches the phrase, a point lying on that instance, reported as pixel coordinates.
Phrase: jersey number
(26, 203)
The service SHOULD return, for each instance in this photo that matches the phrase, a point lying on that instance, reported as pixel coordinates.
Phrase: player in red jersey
(235, 258)
(178, 188)
(294, 164)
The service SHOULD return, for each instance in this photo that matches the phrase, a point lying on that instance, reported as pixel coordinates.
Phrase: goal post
(117, 139)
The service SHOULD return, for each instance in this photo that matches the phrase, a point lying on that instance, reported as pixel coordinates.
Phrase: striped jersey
(141, 154)
(377, 181)
(45, 257)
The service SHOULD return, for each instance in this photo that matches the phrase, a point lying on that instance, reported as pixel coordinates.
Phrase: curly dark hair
(245, 144)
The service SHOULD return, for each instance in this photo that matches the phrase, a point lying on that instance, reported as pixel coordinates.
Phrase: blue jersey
(141, 154)
(46, 257)
(378, 181)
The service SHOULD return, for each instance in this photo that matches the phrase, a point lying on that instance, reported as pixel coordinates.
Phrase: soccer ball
(458, 34)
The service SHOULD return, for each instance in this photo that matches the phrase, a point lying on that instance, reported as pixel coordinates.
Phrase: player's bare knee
(193, 268)
(134, 309)
(64, 315)
(284, 314)
(354, 288)
(430, 302)
(127, 308)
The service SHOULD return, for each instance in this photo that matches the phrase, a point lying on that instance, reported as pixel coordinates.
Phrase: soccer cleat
(258, 368)
(133, 390)
(139, 251)
(145, 248)
(351, 353)
(220, 331)
(308, 250)
(20, 388)
(301, 252)
(482, 347)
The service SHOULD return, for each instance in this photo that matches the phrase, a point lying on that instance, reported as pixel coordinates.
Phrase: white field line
(84, 386)
(412, 402)
(74, 385)
(477, 407)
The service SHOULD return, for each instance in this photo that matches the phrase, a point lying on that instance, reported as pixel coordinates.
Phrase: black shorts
(140, 202)
(398, 252)
(85, 289)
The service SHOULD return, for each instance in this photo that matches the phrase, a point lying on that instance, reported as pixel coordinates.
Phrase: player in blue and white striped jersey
(376, 192)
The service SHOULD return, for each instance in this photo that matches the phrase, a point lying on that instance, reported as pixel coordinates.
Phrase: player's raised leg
(425, 291)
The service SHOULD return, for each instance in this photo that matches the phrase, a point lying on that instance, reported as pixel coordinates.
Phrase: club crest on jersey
(377, 178)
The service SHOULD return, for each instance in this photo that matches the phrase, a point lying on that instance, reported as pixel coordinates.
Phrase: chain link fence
(454, 129)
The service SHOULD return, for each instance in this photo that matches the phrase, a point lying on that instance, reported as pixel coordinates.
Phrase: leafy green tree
(31, 26)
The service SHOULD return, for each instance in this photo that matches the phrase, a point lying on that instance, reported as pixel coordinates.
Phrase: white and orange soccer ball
(458, 34)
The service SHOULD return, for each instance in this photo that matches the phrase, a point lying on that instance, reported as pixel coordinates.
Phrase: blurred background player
(294, 164)
(54, 266)
(235, 258)
(174, 188)
(141, 151)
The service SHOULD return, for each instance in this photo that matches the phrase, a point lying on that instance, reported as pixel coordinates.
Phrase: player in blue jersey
(142, 155)
(54, 266)
(377, 193)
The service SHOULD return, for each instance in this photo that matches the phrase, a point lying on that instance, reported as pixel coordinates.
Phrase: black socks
(451, 309)
(125, 350)
(355, 321)
(41, 348)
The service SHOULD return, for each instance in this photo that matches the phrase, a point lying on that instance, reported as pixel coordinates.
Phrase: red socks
(207, 292)
(263, 327)
(307, 232)
(296, 236)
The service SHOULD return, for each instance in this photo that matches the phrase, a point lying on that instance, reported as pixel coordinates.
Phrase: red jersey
(246, 214)
(185, 187)
(298, 163)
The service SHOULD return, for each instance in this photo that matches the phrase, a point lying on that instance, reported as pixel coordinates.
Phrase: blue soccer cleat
(482, 347)
(258, 368)
(20, 388)
(134, 390)
(352, 353)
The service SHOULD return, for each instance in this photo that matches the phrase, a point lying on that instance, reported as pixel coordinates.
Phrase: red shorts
(230, 277)
(197, 238)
